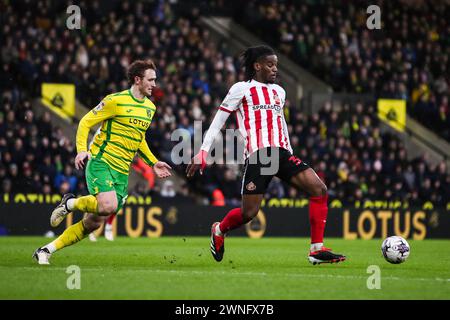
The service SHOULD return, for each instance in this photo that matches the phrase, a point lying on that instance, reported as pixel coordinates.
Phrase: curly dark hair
(251, 55)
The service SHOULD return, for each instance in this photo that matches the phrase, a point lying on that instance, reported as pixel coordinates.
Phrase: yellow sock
(86, 204)
(71, 235)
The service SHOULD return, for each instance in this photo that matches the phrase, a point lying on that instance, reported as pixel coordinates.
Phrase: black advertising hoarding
(194, 220)
(170, 218)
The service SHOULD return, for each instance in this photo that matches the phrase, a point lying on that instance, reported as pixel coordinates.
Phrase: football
(395, 249)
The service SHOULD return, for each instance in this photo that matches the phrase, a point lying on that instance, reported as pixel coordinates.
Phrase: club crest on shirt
(277, 99)
(149, 113)
(98, 108)
(250, 186)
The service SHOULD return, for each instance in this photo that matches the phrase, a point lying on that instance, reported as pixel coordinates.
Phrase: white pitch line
(300, 275)
(231, 273)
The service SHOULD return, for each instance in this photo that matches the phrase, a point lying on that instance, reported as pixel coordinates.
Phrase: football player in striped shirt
(125, 117)
(258, 104)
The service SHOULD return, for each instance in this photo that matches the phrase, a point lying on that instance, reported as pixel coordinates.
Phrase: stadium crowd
(347, 149)
(408, 58)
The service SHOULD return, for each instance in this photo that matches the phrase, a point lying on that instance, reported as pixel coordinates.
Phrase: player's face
(268, 68)
(147, 83)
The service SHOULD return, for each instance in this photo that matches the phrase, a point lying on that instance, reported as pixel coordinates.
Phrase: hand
(79, 159)
(197, 162)
(162, 169)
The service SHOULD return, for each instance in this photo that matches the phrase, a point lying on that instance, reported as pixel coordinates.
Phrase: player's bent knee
(107, 203)
(248, 215)
(324, 190)
(320, 190)
(107, 208)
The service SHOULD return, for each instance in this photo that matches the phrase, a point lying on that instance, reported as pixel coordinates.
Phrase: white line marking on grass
(298, 275)
(231, 273)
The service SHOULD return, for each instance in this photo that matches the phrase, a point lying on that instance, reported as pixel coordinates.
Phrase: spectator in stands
(7, 186)
(46, 168)
(230, 187)
(194, 73)
(410, 61)
(167, 189)
(64, 187)
(276, 189)
(66, 177)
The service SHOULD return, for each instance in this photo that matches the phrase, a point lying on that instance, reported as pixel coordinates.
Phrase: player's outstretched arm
(162, 169)
(199, 161)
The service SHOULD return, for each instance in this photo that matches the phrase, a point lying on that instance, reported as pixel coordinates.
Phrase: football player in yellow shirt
(125, 117)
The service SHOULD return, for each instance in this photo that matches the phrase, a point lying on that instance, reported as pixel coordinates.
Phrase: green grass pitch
(183, 268)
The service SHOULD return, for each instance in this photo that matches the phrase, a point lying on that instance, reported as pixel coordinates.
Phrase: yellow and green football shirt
(122, 133)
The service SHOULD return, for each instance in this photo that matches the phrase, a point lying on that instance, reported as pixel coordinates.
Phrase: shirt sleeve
(283, 96)
(219, 120)
(104, 110)
(145, 154)
(233, 99)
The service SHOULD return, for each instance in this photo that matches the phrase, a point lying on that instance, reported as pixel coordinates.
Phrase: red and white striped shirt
(259, 111)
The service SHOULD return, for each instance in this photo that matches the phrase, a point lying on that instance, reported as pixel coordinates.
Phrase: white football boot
(61, 211)
(42, 255)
